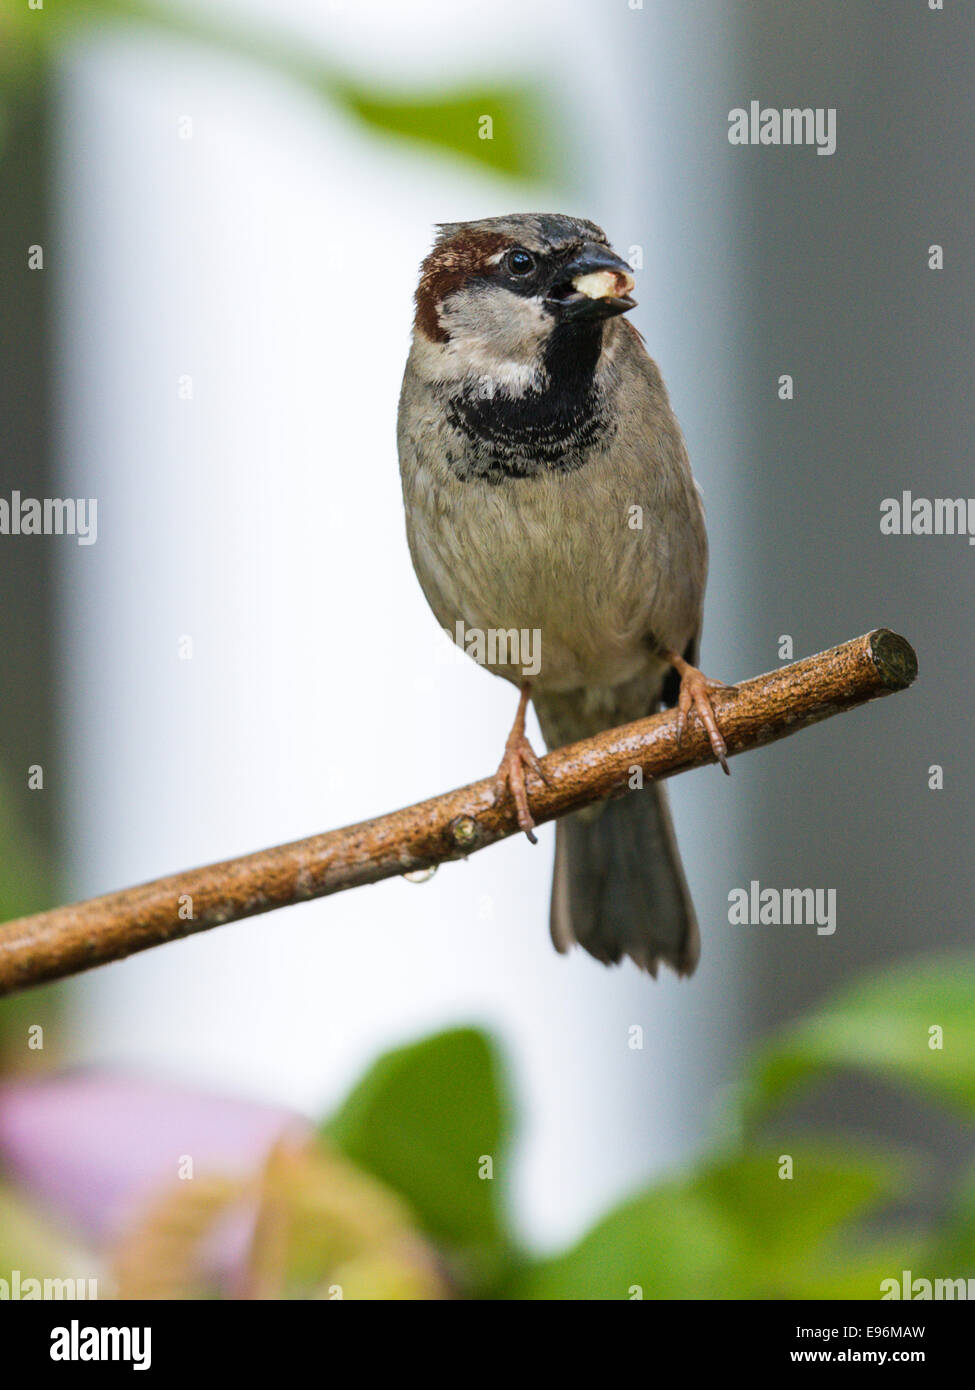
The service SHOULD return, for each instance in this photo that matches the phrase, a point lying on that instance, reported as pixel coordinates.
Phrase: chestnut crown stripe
(446, 268)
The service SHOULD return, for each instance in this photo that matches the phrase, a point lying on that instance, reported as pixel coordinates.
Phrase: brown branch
(67, 940)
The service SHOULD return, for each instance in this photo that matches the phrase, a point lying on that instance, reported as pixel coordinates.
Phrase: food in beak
(604, 284)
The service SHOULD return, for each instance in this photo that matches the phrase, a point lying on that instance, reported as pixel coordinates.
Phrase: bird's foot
(695, 693)
(510, 776)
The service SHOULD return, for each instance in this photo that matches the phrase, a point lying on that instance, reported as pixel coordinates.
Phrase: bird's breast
(552, 558)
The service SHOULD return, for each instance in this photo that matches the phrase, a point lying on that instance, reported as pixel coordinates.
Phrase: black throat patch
(550, 430)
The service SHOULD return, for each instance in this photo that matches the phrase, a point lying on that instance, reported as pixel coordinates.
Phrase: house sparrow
(548, 491)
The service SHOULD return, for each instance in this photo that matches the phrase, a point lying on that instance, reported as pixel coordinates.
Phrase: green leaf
(881, 1026)
(453, 121)
(423, 1120)
(669, 1243)
(736, 1229)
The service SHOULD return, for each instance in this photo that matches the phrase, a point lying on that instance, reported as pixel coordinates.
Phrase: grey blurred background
(272, 258)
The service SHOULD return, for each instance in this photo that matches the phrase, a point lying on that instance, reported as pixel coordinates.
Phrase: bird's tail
(619, 887)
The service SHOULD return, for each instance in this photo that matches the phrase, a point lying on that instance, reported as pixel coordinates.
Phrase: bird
(548, 495)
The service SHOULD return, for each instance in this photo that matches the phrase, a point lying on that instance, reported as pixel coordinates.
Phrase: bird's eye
(519, 261)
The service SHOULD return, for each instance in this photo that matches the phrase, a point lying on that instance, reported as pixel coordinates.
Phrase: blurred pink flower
(93, 1146)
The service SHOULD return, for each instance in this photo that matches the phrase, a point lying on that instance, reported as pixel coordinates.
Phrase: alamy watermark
(77, 1343)
(496, 646)
(793, 125)
(925, 1290)
(908, 515)
(24, 1288)
(756, 906)
(50, 516)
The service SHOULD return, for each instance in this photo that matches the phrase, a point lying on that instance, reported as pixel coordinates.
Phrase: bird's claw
(510, 776)
(695, 688)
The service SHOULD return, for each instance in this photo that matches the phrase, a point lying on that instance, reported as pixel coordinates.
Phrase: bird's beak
(596, 284)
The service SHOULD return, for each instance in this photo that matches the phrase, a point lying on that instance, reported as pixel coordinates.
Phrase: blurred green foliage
(415, 1120)
(876, 1027)
(733, 1229)
(401, 1194)
(742, 1224)
(522, 129)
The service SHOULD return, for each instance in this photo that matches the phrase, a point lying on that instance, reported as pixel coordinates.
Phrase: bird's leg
(694, 694)
(519, 754)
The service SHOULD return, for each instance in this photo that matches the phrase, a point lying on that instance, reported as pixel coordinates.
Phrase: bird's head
(493, 293)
